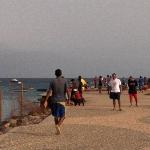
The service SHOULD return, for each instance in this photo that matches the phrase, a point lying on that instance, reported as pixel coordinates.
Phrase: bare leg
(83, 103)
(114, 104)
(57, 125)
(130, 97)
(135, 97)
(119, 104)
(61, 120)
(108, 90)
(100, 90)
(56, 120)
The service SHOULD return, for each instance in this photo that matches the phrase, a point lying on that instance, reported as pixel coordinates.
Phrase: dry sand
(92, 127)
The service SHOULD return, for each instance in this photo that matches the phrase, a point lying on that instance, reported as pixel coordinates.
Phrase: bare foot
(58, 131)
(114, 109)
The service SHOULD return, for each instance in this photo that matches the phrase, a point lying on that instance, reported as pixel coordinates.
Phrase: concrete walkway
(92, 127)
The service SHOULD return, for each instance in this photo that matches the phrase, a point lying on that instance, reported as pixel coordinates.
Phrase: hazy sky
(87, 37)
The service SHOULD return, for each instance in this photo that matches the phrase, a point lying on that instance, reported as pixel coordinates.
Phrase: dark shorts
(114, 95)
(58, 110)
(99, 86)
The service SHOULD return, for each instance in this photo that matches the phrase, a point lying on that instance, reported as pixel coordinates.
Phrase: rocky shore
(34, 116)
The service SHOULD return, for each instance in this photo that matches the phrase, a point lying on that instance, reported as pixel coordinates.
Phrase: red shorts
(133, 95)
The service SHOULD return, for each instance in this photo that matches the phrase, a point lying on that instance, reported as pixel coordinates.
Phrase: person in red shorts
(132, 84)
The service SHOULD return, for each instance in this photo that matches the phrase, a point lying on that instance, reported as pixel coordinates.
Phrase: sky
(81, 37)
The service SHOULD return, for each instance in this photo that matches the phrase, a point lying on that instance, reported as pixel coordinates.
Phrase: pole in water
(0, 105)
(21, 98)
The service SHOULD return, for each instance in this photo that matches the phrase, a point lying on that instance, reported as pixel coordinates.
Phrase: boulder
(13, 122)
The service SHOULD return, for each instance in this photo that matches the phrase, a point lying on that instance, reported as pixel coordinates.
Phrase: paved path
(92, 127)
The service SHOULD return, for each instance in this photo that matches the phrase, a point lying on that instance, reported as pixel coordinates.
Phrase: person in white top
(115, 85)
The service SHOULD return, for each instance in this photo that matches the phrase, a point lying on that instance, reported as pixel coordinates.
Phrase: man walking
(115, 85)
(57, 90)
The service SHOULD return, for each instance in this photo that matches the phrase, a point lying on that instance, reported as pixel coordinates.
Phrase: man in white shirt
(116, 89)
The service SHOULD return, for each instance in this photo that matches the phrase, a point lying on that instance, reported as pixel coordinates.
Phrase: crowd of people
(115, 86)
(103, 82)
(59, 92)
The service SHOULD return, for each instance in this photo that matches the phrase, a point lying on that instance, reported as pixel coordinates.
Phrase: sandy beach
(94, 126)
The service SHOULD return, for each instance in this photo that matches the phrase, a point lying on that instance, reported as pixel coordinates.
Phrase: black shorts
(99, 86)
(114, 95)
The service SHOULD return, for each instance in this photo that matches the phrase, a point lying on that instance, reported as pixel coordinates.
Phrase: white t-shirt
(115, 85)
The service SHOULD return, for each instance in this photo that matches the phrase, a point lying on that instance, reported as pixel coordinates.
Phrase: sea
(32, 90)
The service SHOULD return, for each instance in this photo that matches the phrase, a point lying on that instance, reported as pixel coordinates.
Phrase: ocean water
(11, 92)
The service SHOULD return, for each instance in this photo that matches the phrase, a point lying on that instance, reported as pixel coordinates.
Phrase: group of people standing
(103, 82)
(114, 88)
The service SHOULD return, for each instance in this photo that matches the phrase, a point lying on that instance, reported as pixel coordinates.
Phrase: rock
(34, 113)
(19, 122)
(1, 132)
(7, 125)
(34, 119)
(30, 117)
(25, 121)
(4, 130)
(4, 127)
(47, 112)
(13, 122)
